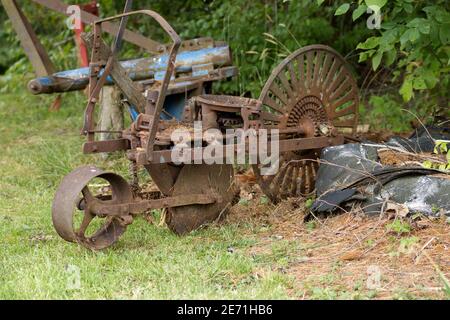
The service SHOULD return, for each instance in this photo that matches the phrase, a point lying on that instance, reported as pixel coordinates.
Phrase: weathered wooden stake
(111, 112)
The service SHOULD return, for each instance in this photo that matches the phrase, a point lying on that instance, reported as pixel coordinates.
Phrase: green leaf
(423, 25)
(389, 36)
(370, 43)
(430, 78)
(444, 147)
(358, 12)
(414, 35)
(419, 84)
(409, 8)
(409, 35)
(444, 34)
(390, 55)
(342, 9)
(425, 28)
(319, 2)
(243, 202)
(439, 14)
(407, 89)
(309, 203)
(427, 164)
(363, 56)
(376, 60)
(415, 23)
(388, 25)
(379, 3)
(264, 200)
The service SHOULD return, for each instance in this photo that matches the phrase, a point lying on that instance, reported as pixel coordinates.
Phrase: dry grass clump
(351, 253)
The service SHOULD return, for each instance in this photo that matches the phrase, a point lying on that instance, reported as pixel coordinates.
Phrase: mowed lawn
(37, 148)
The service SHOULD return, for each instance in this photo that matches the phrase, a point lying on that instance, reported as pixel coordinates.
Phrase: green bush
(412, 46)
(404, 64)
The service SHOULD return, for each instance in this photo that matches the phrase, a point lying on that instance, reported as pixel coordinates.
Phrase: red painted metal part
(92, 8)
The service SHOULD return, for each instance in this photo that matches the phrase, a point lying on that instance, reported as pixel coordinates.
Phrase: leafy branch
(414, 37)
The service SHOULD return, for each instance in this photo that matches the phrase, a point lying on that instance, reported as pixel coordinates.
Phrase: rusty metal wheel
(71, 216)
(312, 88)
(217, 180)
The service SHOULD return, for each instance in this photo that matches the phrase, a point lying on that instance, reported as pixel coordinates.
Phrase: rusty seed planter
(310, 97)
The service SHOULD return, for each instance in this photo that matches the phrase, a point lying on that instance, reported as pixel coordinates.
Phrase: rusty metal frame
(97, 83)
(139, 206)
(286, 145)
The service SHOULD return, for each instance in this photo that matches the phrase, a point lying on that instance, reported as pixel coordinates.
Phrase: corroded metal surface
(217, 180)
(315, 75)
(74, 196)
(313, 89)
(141, 69)
(307, 98)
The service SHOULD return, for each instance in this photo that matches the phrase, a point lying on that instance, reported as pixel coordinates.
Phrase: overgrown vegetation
(409, 49)
(235, 260)
(245, 258)
(403, 65)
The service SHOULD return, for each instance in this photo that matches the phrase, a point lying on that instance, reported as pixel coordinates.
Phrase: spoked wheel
(217, 180)
(71, 214)
(313, 89)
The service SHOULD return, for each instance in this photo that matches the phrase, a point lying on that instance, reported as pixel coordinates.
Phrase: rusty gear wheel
(313, 88)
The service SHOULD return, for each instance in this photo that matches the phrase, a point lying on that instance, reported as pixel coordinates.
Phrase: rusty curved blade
(217, 180)
(67, 198)
(163, 175)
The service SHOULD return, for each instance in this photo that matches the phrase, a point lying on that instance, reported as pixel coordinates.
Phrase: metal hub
(310, 114)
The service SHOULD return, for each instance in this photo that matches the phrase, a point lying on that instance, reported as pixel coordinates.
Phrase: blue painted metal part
(133, 113)
(173, 106)
(138, 69)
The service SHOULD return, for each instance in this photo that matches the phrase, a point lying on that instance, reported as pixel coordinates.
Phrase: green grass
(38, 148)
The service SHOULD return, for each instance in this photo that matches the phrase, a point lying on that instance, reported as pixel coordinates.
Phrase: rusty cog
(313, 89)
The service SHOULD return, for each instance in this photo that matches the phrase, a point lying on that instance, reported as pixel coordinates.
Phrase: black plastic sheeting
(351, 173)
(422, 140)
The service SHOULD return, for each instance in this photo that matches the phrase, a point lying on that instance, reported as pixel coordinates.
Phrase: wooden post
(111, 112)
